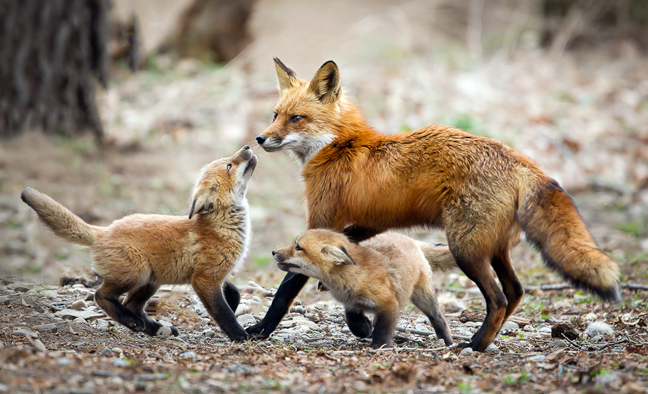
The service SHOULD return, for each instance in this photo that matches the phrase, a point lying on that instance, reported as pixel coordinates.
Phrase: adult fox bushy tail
(59, 219)
(480, 191)
(553, 225)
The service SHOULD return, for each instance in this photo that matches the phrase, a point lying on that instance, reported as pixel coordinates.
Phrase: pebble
(120, 362)
(47, 327)
(240, 369)
(105, 352)
(556, 355)
(599, 328)
(73, 314)
(63, 361)
(80, 320)
(78, 305)
(540, 358)
(164, 332)
(246, 319)
(102, 325)
(545, 329)
(558, 344)
(466, 352)
(187, 356)
(38, 344)
(5, 300)
(4, 388)
(607, 378)
(242, 310)
(510, 325)
(117, 350)
(25, 333)
(49, 293)
(209, 333)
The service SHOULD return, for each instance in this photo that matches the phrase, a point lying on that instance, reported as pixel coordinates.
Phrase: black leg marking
(107, 297)
(358, 323)
(286, 294)
(232, 295)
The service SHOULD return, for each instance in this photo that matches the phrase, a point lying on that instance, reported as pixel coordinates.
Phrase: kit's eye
(274, 117)
(229, 167)
(297, 247)
(296, 118)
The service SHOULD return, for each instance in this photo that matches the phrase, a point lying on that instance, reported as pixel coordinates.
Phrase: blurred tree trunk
(52, 54)
(218, 28)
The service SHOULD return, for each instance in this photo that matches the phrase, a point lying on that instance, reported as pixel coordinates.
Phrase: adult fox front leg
(481, 192)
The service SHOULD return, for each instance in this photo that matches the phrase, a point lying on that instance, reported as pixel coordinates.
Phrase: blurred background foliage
(112, 107)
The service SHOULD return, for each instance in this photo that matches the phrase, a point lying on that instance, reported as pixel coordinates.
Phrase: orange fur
(380, 275)
(481, 192)
(138, 253)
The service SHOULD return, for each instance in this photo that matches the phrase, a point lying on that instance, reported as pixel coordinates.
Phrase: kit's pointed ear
(201, 204)
(285, 76)
(338, 255)
(326, 83)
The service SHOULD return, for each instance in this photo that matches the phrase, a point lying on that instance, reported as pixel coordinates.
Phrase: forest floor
(55, 339)
(581, 115)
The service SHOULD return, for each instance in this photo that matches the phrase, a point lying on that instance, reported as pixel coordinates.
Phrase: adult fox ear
(326, 83)
(339, 256)
(286, 76)
(200, 206)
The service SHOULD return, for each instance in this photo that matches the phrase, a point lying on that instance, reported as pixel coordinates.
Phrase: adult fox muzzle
(480, 191)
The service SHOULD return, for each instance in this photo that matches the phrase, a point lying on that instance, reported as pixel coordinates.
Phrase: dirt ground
(582, 116)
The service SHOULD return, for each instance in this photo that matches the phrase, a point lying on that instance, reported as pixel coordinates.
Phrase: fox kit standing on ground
(481, 192)
(379, 275)
(139, 253)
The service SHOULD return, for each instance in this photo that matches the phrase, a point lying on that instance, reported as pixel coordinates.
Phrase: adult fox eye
(229, 167)
(274, 117)
(296, 118)
(297, 247)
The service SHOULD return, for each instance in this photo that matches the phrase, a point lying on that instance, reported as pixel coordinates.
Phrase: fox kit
(379, 275)
(481, 192)
(138, 253)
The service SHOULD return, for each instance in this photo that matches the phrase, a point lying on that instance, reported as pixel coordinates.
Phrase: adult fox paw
(257, 331)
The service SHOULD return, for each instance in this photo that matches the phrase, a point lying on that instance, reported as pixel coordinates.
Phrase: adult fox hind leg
(136, 302)
(286, 294)
(478, 270)
(358, 323)
(107, 297)
(232, 295)
(424, 299)
(513, 289)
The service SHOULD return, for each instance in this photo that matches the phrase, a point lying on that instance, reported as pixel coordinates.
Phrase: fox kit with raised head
(481, 192)
(138, 253)
(379, 275)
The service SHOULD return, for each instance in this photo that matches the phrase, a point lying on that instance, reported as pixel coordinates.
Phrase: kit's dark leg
(358, 323)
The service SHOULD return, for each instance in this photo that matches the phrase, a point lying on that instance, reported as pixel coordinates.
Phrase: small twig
(579, 347)
(416, 332)
(563, 286)
(625, 340)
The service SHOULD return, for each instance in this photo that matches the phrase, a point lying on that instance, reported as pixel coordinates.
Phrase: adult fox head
(223, 183)
(315, 253)
(306, 113)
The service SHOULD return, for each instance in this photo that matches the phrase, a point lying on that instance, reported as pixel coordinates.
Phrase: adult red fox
(380, 275)
(481, 192)
(138, 253)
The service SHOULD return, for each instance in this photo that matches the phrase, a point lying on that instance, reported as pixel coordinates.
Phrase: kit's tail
(59, 219)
